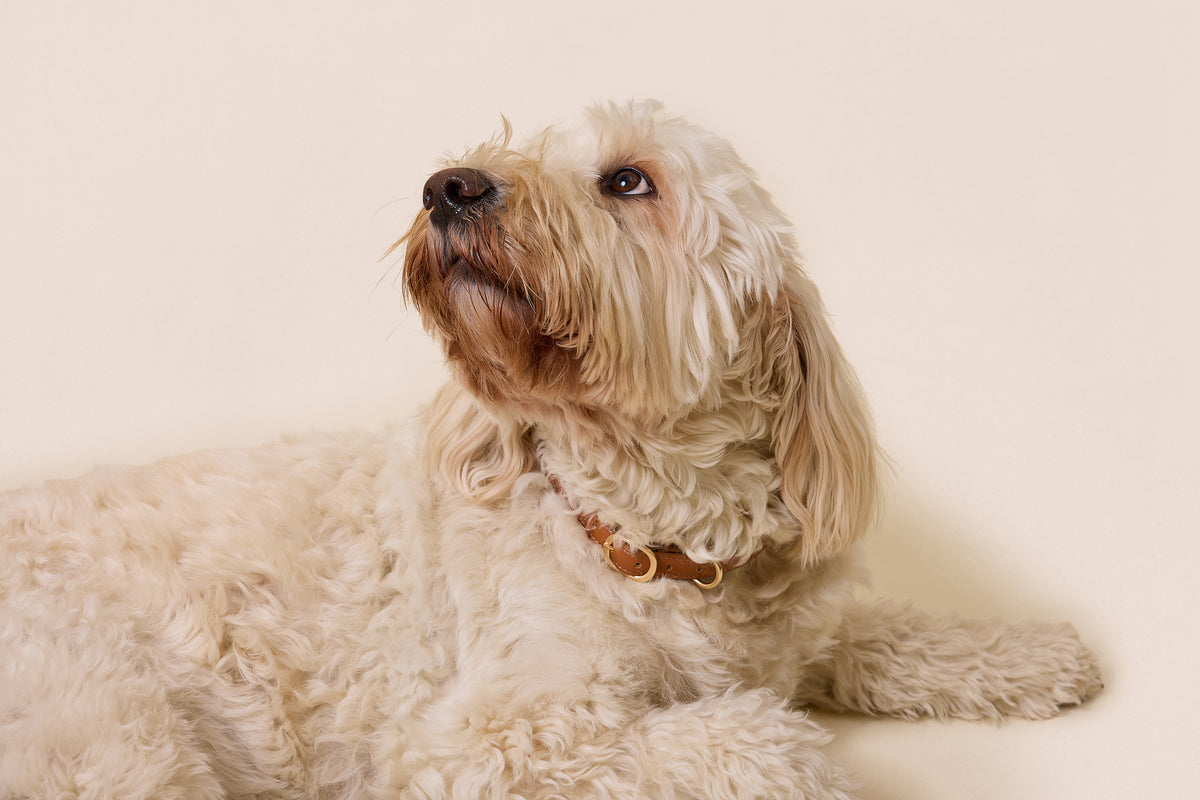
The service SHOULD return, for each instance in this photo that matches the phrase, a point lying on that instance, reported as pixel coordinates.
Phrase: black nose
(452, 191)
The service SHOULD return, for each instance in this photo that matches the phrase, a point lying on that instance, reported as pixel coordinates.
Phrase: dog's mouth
(464, 272)
(468, 289)
(477, 295)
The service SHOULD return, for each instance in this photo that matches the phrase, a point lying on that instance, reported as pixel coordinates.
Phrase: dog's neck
(706, 483)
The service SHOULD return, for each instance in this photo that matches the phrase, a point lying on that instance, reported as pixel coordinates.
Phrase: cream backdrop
(997, 199)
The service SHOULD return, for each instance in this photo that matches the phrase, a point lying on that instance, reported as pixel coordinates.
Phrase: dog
(614, 558)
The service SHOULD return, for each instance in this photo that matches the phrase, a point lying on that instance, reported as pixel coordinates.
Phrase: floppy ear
(823, 435)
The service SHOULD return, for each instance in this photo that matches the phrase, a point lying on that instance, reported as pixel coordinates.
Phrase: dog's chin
(490, 326)
(494, 341)
(476, 296)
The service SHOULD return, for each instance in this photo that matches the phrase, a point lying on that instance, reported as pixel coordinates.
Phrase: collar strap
(646, 563)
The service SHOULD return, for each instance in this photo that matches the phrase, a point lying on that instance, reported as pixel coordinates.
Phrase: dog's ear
(477, 454)
(823, 434)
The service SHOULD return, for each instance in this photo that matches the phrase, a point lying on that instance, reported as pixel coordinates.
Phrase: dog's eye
(628, 181)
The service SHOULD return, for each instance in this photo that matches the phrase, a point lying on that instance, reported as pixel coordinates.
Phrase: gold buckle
(715, 581)
(647, 575)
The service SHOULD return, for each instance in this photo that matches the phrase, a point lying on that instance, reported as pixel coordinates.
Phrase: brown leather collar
(645, 563)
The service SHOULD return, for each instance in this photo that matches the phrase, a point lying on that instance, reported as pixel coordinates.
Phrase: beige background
(998, 200)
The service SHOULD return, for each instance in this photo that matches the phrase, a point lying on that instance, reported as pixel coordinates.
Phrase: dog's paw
(1043, 670)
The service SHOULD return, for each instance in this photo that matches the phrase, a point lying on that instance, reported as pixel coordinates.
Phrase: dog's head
(630, 274)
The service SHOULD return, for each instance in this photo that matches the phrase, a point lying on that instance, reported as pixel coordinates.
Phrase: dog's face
(608, 267)
(632, 272)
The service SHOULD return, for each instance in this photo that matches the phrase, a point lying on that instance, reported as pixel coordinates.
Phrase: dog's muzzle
(451, 193)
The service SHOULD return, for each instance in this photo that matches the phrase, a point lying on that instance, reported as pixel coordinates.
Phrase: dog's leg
(743, 745)
(894, 660)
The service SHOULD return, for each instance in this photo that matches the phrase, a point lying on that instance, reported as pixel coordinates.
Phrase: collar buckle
(643, 577)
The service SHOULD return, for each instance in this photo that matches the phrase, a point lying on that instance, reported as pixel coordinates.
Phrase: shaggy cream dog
(612, 560)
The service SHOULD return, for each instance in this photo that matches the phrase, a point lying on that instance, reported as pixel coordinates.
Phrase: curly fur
(417, 614)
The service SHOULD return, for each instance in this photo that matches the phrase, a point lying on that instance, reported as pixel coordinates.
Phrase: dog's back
(160, 622)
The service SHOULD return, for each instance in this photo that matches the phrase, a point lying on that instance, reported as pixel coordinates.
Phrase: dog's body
(420, 614)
